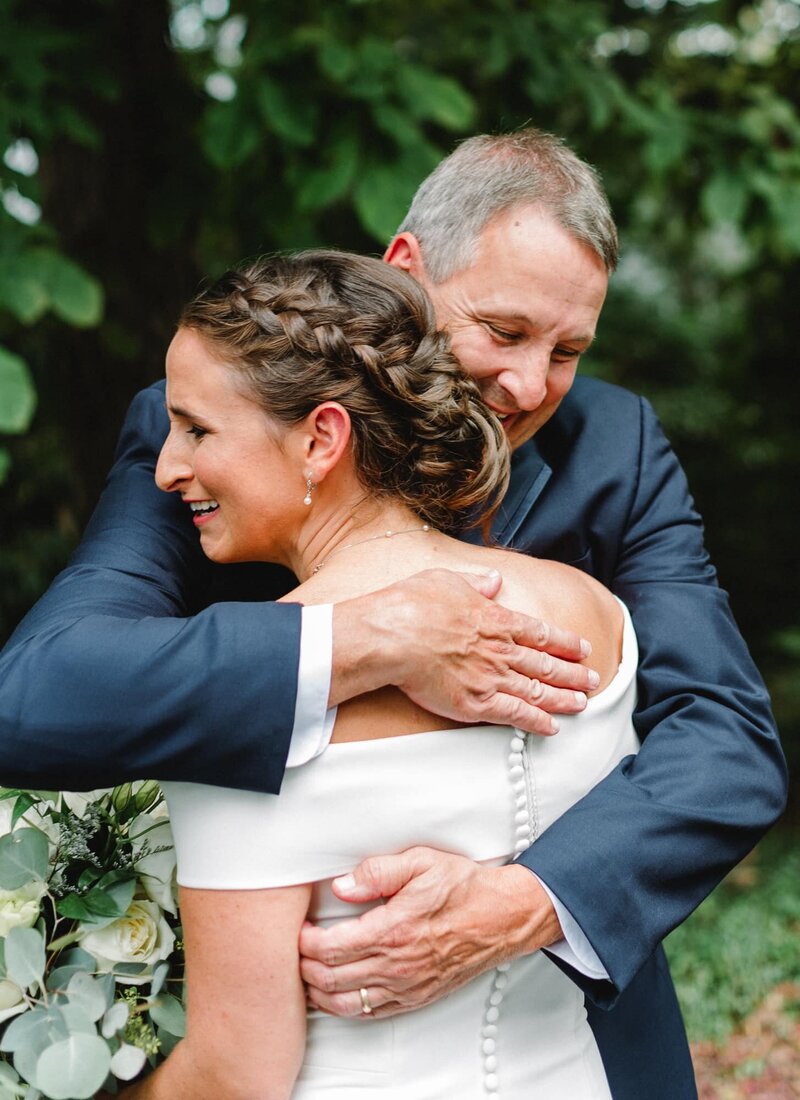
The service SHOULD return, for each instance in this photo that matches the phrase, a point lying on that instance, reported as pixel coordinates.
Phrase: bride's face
(245, 490)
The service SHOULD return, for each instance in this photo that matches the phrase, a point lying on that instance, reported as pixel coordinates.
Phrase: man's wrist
(533, 923)
(367, 653)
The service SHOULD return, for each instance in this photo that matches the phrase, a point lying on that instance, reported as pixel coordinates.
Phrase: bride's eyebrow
(176, 410)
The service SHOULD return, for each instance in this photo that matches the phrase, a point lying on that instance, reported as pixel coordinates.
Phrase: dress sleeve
(635, 856)
(111, 677)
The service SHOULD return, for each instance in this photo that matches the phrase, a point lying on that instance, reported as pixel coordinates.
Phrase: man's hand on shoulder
(442, 639)
(447, 920)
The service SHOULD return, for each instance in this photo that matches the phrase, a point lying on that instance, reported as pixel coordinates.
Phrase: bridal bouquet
(91, 966)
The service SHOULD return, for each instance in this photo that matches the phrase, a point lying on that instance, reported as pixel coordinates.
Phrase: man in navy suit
(144, 659)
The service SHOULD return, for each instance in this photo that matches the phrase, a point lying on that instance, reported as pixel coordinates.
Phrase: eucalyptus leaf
(26, 1030)
(114, 1020)
(168, 1013)
(127, 1062)
(25, 958)
(76, 1020)
(160, 974)
(17, 393)
(88, 994)
(73, 1069)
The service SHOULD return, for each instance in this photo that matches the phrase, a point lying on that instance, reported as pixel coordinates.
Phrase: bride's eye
(196, 431)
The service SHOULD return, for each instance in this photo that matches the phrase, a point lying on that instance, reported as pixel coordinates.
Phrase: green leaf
(75, 1068)
(160, 975)
(384, 192)
(21, 292)
(25, 956)
(17, 394)
(5, 464)
(26, 1030)
(75, 297)
(127, 1062)
(87, 994)
(23, 803)
(724, 197)
(323, 186)
(292, 118)
(168, 1013)
(666, 146)
(229, 137)
(98, 907)
(337, 60)
(24, 856)
(115, 1020)
(432, 96)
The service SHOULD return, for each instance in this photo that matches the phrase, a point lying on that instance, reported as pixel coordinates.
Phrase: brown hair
(330, 326)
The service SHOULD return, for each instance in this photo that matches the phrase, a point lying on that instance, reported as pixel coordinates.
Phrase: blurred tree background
(146, 145)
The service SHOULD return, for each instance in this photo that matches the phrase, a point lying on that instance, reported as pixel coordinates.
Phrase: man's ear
(326, 436)
(404, 252)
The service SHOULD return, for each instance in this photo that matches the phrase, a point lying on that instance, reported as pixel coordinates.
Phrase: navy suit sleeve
(634, 857)
(111, 677)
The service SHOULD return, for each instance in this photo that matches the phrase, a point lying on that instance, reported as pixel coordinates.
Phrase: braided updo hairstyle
(330, 326)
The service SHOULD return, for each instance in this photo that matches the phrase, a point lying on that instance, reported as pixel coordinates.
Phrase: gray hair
(489, 174)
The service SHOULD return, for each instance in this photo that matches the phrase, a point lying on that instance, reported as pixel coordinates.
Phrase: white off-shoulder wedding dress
(485, 792)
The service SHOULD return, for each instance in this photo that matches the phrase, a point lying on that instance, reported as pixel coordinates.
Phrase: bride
(318, 420)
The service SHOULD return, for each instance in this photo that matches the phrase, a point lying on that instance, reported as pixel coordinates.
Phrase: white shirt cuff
(574, 949)
(313, 720)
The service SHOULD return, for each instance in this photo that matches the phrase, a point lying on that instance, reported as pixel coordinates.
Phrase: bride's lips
(202, 511)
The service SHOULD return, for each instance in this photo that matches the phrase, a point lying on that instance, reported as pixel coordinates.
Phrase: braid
(327, 326)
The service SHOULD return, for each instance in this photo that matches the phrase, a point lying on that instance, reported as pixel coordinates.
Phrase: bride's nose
(173, 468)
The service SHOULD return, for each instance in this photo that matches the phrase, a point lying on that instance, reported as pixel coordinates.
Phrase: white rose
(20, 908)
(141, 936)
(11, 1002)
(156, 871)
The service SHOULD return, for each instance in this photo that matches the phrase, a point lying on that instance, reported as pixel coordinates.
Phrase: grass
(741, 942)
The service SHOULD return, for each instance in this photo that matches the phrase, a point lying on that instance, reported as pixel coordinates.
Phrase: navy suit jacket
(144, 659)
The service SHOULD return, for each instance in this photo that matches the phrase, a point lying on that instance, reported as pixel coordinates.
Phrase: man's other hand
(447, 920)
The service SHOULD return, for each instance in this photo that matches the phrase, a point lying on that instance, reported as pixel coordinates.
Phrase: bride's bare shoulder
(565, 597)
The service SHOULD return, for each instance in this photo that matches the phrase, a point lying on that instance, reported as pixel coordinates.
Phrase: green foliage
(740, 943)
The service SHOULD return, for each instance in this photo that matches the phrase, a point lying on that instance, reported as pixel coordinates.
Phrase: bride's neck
(334, 533)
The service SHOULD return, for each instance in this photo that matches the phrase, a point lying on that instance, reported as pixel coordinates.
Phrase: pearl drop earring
(310, 487)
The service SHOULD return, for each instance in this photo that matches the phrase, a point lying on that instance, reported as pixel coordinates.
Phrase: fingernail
(593, 678)
(345, 883)
(580, 699)
(586, 647)
(554, 726)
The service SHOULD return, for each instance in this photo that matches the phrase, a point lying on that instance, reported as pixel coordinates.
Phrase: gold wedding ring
(366, 1007)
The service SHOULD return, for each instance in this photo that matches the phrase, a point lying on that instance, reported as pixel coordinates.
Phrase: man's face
(520, 315)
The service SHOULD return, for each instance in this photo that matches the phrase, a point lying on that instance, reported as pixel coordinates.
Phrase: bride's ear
(326, 437)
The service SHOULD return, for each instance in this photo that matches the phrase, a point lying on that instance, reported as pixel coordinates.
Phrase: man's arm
(634, 857)
(113, 675)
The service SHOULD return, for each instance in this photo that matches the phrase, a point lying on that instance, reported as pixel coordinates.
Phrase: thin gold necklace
(372, 538)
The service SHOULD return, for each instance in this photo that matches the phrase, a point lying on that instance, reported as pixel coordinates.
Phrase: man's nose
(172, 468)
(527, 382)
